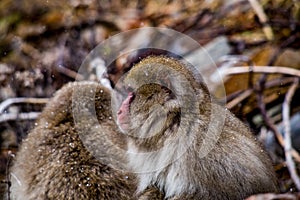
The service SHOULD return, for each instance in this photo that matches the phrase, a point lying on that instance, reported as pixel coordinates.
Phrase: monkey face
(123, 113)
(149, 104)
(160, 95)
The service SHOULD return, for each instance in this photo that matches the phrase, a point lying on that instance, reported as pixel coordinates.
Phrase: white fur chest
(160, 168)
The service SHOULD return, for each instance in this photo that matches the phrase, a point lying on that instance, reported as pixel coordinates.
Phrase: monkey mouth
(123, 114)
(125, 106)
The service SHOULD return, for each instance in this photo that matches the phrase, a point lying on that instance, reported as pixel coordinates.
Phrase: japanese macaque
(75, 151)
(178, 141)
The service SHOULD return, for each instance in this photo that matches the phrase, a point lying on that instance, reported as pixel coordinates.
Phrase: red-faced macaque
(183, 142)
(75, 151)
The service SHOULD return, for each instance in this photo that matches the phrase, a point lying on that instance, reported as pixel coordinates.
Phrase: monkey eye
(150, 97)
(169, 95)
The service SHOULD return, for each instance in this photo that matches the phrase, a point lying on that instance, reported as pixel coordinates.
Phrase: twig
(286, 196)
(198, 18)
(287, 134)
(270, 123)
(262, 69)
(19, 116)
(230, 60)
(10, 156)
(275, 55)
(239, 99)
(70, 73)
(245, 94)
(262, 18)
(10, 101)
(60, 61)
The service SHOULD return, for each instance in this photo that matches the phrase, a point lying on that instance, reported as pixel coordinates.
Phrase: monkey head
(162, 94)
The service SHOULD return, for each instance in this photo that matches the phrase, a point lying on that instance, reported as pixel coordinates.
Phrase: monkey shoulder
(54, 163)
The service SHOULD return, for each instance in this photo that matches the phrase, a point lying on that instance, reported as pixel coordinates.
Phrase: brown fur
(61, 159)
(236, 167)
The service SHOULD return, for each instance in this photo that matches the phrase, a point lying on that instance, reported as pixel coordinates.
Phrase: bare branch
(70, 73)
(19, 116)
(239, 99)
(245, 94)
(269, 122)
(287, 196)
(10, 101)
(262, 69)
(10, 158)
(287, 134)
(262, 18)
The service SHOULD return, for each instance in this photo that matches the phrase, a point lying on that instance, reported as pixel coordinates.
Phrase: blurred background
(43, 44)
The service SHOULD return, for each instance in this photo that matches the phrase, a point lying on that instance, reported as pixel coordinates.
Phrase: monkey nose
(124, 108)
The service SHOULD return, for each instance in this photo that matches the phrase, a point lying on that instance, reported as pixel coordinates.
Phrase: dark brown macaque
(178, 141)
(75, 151)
